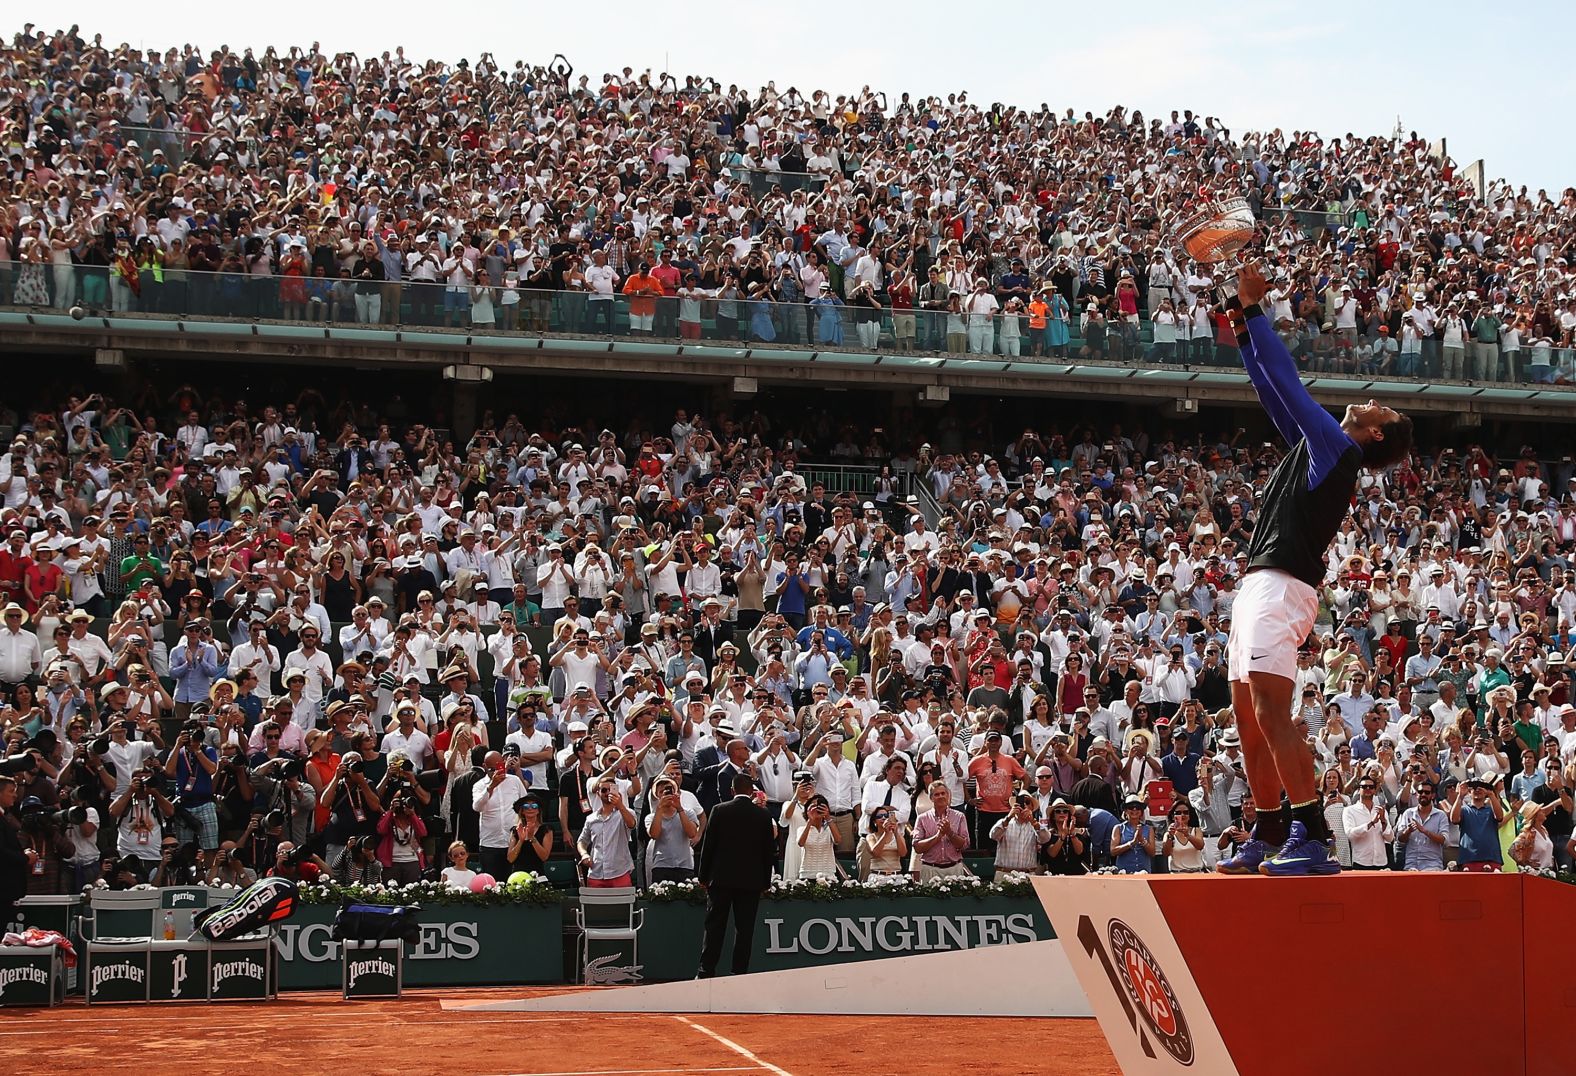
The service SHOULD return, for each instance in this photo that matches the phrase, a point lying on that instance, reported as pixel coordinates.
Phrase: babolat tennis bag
(268, 900)
(377, 922)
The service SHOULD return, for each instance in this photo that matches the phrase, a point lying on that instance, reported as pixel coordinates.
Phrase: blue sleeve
(1327, 442)
(1266, 391)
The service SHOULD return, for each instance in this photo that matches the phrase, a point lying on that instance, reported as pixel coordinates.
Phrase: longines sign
(802, 934)
(461, 945)
(896, 934)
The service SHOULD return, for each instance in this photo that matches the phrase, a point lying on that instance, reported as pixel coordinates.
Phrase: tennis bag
(377, 923)
(266, 901)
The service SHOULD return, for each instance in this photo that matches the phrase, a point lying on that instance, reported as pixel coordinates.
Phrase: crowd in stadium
(291, 637)
(313, 638)
(382, 189)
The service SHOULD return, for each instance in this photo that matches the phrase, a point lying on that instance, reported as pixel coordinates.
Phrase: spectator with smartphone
(1020, 838)
(1477, 809)
(1423, 832)
(604, 841)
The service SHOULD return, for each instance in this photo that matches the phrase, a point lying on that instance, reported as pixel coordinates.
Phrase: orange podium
(1440, 973)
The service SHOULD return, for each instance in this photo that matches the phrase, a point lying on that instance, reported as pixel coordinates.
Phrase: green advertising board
(806, 933)
(373, 969)
(31, 976)
(117, 973)
(177, 971)
(461, 945)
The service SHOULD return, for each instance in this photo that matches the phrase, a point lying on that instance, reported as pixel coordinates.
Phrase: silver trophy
(1214, 234)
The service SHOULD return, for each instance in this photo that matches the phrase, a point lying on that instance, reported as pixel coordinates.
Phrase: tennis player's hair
(1393, 447)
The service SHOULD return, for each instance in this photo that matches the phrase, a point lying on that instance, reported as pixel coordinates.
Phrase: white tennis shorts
(1270, 619)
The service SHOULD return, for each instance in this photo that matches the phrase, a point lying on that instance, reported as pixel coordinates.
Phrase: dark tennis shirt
(1297, 523)
(1310, 491)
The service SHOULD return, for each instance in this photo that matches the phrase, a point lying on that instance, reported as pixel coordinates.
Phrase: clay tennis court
(320, 1033)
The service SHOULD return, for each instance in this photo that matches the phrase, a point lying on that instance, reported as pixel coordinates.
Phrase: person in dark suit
(16, 862)
(736, 859)
(709, 763)
(710, 632)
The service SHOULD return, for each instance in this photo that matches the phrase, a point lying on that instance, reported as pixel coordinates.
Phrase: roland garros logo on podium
(1141, 986)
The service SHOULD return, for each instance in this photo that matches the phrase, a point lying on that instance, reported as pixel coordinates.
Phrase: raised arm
(1274, 375)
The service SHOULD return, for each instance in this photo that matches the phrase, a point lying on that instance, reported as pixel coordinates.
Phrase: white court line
(735, 1047)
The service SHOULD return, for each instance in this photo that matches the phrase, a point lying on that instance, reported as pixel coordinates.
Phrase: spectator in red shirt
(993, 773)
(43, 577)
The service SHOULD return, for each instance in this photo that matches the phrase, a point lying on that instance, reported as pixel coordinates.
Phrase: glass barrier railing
(726, 317)
(172, 144)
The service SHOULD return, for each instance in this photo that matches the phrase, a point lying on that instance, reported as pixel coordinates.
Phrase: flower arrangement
(534, 891)
(826, 888)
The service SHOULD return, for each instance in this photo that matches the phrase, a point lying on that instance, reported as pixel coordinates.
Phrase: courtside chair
(608, 915)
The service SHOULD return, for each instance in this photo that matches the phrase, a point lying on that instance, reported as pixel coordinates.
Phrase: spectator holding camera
(1478, 810)
(1020, 837)
(141, 813)
(530, 838)
(674, 830)
(228, 868)
(493, 798)
(297, 864)
(605, 860)
(1422, 832)
(351, 798)
(125, 750)
(191, 766)
(401, 831)
(281, 785)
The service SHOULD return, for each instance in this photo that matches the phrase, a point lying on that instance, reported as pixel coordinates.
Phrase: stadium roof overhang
(357, 348)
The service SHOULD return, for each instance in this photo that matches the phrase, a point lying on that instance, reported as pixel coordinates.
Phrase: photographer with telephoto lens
(190, 767)
(358, 863)
(351, 795)
(229, 869)
(400, 832)
(141, 813)
(281, 783)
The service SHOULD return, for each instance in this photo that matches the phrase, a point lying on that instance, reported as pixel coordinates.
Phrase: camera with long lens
(196, 731)
(34, 816)
(352, 764)
(70, 816)
(292, 767)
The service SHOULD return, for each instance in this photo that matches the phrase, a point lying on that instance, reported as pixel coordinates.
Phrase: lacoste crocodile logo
(599, 974)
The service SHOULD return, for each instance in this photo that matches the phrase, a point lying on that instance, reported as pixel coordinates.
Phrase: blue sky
(1488, 78)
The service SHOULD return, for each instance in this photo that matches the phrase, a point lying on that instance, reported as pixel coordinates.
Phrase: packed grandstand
(380, 189)
(312, 631)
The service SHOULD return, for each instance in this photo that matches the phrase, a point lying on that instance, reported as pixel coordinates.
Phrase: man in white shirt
(952, 764)
(535, 748)
(494, 798)
(407, 738)
(600, 278)
(260, 657)
(919, 539)
(317, 665)
(20, 656)
(981, 306)
(360, 635)
(556, 579)
(1367, 826)
(837, 779)
(705, 578)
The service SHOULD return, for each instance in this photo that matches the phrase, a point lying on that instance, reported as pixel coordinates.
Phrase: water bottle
(169, 926)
